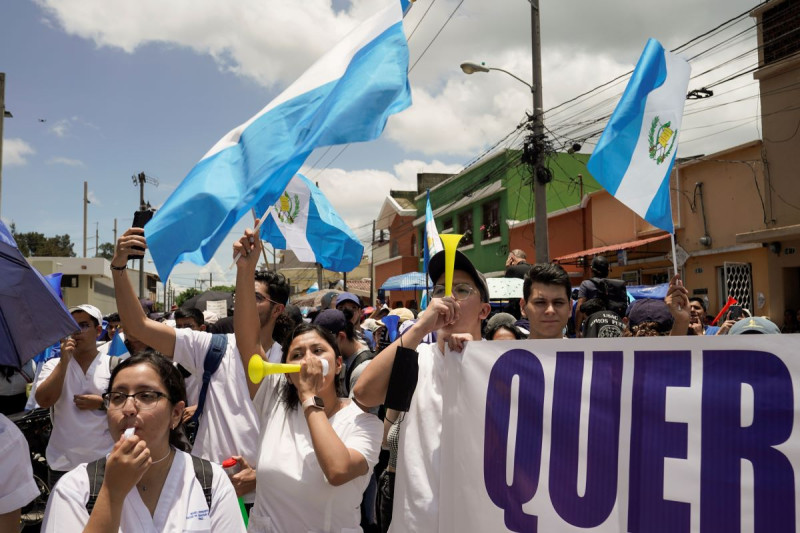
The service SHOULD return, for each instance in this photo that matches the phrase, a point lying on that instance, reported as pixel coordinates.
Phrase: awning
(612, 248)
(412, 281)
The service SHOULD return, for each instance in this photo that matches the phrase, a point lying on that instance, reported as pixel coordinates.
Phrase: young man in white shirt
(229, 424)
(456, 319)
(72, 385)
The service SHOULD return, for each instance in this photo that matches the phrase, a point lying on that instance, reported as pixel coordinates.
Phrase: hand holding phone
(735, 312)
(140, 218)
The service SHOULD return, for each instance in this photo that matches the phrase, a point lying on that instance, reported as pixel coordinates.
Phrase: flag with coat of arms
(634, 156)
(304, 221)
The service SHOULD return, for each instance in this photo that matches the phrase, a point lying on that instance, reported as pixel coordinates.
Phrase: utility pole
(319, 276)
(115, 233)
(85, 213)
(541, 236)
(372, 266)
(3, 114)
(344, 282)
(96, 239)
(140, 180)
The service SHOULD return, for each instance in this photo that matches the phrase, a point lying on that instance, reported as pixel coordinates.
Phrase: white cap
(90, 310)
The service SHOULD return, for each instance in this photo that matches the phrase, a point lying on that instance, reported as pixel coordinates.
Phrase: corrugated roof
(612, 248)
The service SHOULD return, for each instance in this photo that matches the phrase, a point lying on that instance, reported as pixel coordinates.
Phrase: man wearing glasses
(455, 319)
(229, 425)
(72, 385)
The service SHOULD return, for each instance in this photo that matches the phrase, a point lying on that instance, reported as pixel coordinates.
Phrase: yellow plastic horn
(450, 243)
(257, 368)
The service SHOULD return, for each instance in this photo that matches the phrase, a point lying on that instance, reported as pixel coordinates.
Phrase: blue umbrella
(412, 281)
(31, 316)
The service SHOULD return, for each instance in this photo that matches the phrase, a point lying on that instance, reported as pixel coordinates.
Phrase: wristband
(123, 267)
(315, 402)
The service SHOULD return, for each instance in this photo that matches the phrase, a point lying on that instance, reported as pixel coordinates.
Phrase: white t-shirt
(229, 425)
(18, 488)
(181, 506)
(78, 436)
(416, 489)
(292, 494)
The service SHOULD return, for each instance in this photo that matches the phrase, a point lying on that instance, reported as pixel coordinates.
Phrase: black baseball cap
(436, 269)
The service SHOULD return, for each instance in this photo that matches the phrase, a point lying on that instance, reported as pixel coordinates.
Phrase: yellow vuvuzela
(257, 368)
(450, 243)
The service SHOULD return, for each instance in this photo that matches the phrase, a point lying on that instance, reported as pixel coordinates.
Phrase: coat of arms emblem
(661, 140)
(288, 207)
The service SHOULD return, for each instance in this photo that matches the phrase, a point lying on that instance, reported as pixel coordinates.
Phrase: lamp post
(3, 115)
(541, 237)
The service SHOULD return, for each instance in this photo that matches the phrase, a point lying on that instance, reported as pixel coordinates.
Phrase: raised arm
(49, 388)
(677, 300)
(370, 390)
(154, 334)
(246, 325)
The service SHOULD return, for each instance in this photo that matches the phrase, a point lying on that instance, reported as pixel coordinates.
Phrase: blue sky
(151, 86)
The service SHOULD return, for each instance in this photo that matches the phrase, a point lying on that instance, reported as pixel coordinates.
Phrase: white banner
(670, 434)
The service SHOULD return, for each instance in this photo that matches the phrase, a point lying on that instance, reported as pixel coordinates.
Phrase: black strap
(216, 351)
(204, 474)
(97, 471)
(360, 357)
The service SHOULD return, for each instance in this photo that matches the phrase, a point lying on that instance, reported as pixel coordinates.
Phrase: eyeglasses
(261, 298)
(461, 291)
(146, 399)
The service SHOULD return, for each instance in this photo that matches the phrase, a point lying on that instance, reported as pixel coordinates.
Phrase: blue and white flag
(634, 156)
(345, 97)
(117, 346)
(433, 244)
(304, 221)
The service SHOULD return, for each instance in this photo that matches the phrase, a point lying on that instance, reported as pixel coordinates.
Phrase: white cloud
(66, 161)
(219, 275)
(93, 199)
(60, 128)
(16, 151)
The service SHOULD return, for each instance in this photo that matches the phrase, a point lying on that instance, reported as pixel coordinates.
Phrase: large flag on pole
(304, 221)
(634, 156)
(345, 97)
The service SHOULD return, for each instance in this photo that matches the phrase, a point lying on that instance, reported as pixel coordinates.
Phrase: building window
(395, 248)
(491, 220)
(447, 226)
(465, 227)
(414, 249)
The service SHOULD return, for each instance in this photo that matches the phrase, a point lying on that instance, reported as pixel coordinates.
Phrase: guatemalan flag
(634, 156)
(433, 244)
(304, 221)
(345, 97)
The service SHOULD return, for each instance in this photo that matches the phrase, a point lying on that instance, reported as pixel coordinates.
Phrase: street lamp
(472, 68)
(541, 239)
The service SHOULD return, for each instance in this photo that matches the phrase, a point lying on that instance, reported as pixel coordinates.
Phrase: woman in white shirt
(316, 449)
(145, 393)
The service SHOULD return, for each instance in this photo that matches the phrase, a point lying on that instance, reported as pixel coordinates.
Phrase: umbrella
(312, 300)
(198, 301)
(32, 317)
(412, 281)
(504, 288)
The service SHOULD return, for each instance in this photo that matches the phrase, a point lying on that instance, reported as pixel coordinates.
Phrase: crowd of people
(174, 436)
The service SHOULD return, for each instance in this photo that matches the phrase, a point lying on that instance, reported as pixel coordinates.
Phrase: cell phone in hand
(140, 218)
(735, 312)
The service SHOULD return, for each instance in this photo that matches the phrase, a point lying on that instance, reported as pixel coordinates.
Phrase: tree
(106, 250)
(223, 288)
(185, 295)
(35, 244)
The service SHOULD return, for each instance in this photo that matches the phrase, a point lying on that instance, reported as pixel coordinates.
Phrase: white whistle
(129, 433)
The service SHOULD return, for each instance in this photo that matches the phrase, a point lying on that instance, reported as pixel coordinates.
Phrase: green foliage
(223, 288)
(106, 250)
(35, 244)
(185, 295)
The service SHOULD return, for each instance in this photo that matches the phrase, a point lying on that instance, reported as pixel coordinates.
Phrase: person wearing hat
(350, 305)
(611, 291)
(457, 319)
(72, 386)
(754, 325)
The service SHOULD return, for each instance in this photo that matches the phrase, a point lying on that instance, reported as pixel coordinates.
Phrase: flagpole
(674, 254)
(263, 250)
(255, 230)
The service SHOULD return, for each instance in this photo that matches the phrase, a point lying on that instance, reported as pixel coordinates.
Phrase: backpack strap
(96, 471)
(216, 351)
(204, 475)
(360, 357)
